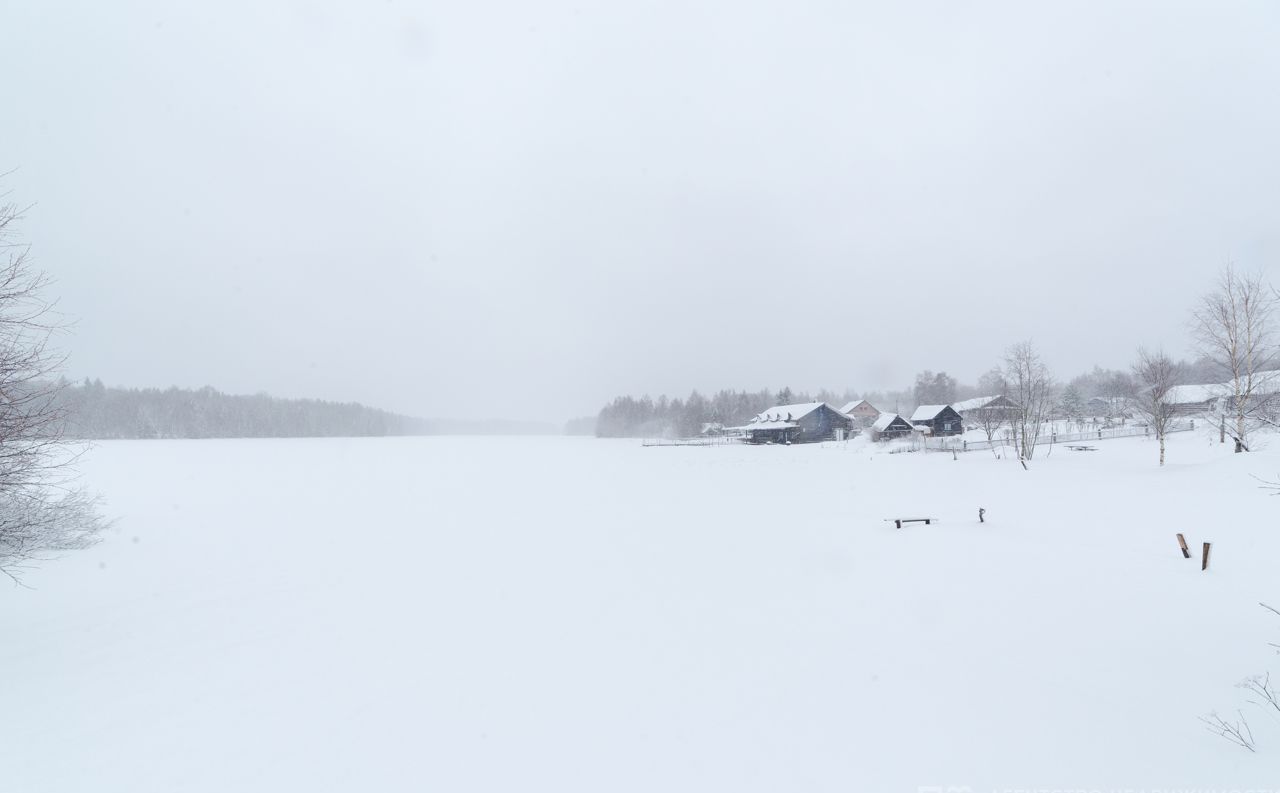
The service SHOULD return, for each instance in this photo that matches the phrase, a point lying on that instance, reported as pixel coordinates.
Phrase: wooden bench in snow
(1079, 448)
(897, 522)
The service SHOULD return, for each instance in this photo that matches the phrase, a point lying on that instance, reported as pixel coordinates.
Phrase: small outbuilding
(941, 420)
(890, 426)
(1122, 407)
(803, 423)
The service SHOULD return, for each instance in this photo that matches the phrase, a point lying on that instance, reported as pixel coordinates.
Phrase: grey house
(804, 423)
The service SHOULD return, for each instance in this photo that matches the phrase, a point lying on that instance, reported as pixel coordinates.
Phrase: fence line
(709, 440)
(1051, 437)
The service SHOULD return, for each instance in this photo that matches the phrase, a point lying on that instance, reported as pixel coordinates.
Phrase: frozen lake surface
(497, 614)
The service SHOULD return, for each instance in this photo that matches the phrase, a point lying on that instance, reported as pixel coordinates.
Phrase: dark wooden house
(803, 423)
(890, 426)
(941, 420)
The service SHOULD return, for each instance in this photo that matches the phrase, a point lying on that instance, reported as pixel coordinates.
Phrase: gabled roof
(849, 408)
(1264, 383)
(977, 403)
(1194, 394)
(789, 412)
(926, 412)
(882, 423)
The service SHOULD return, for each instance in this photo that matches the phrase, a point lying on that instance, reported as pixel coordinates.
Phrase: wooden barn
(862, 412)
(890, 426)
(986, 409)
(1188, 400)
(803, 423)
(941, 420)
(967, 406)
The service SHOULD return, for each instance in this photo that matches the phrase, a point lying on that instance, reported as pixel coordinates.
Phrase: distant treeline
(96, 411)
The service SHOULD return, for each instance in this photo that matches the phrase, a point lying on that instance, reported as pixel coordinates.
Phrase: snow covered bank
(578, 615)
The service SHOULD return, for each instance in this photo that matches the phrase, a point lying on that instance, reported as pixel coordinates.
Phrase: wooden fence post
(1204, 558)
(1182, 543)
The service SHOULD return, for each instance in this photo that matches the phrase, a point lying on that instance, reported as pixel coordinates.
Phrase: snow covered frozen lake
(495, 614)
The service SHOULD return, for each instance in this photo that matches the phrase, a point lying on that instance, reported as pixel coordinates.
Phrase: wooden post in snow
(1182, 543)
(1204, 558)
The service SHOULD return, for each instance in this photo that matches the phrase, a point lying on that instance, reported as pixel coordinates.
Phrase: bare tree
(1236, 732)
(989, 420)
(42, 511)
(1031, 388)
(1154, 374)
(1234, 327)
(1260, 686)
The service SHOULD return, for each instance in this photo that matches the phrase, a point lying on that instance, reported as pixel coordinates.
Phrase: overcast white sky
(526, 208)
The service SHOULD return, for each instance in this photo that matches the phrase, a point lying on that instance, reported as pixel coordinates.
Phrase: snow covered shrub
(41, 509)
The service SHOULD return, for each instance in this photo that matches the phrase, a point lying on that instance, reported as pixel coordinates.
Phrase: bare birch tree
(1234, 327)
(1154, 374)
(1031, 388)
(42, 511)
(989, 420)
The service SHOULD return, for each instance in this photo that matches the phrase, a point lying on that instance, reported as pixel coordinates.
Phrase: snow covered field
(493, 614)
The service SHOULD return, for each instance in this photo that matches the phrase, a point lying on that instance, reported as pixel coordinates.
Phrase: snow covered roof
(977, 403)
(926, 412)
(768, 425)
(1193, 394)
(849, 408)
(884, 421)
(1263, 383)
(787, 412)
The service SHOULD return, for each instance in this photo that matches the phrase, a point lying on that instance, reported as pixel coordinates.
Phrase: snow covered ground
(493, 614)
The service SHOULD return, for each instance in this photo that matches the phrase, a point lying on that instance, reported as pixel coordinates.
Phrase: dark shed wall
(822, 423)
(948, 414)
